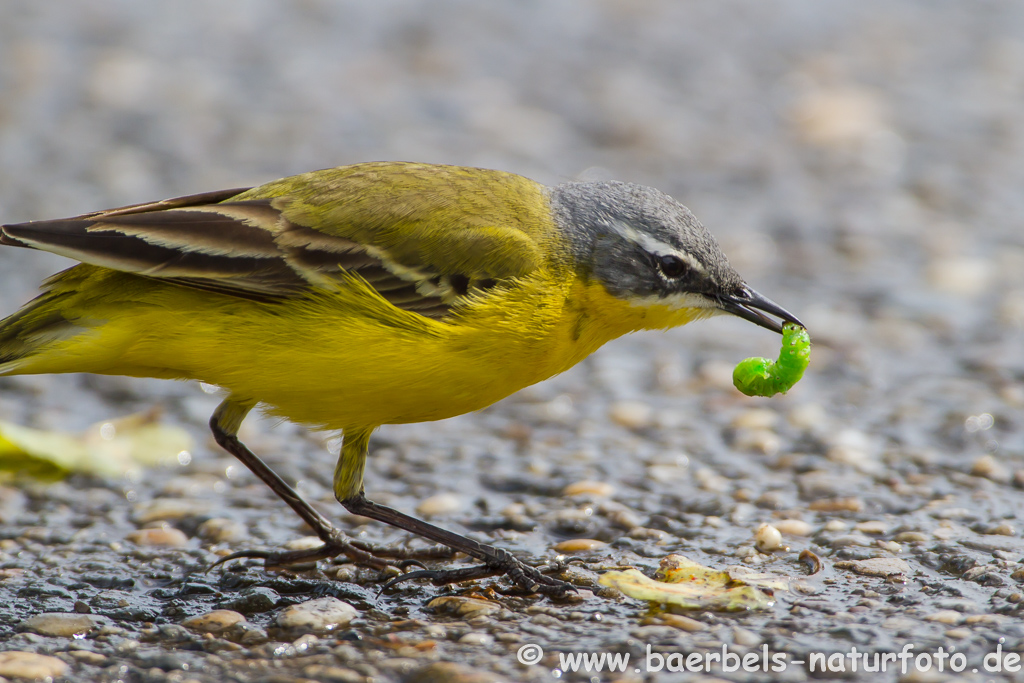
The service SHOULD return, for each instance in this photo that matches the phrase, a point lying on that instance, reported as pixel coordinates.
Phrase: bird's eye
(671, 266)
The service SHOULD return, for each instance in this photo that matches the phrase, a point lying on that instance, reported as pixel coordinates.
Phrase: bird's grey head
(645, 247)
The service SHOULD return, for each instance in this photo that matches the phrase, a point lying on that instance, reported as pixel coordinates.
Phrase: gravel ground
(861, 162)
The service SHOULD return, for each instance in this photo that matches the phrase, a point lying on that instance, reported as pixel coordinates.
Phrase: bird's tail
(31, 329)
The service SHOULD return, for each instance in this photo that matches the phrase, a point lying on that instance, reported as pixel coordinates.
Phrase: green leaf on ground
(109, 448)
(684, 584)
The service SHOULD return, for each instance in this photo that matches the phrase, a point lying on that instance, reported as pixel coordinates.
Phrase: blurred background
(861, 162)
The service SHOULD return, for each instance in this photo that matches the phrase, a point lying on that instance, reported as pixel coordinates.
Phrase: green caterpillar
(763, 377)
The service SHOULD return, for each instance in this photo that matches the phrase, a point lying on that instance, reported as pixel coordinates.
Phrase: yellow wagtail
(378, 293)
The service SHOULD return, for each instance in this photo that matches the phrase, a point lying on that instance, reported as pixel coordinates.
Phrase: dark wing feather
(243, 249)
(424, 237)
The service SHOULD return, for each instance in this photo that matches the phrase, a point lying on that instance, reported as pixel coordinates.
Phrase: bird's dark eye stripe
(671, 266)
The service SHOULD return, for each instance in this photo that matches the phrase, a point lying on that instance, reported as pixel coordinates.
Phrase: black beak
(748, 304)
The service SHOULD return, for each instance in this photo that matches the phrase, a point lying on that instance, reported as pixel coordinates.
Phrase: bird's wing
(422, 236)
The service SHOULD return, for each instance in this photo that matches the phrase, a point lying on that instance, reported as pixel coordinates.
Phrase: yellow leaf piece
(684, 584)
(109, 448)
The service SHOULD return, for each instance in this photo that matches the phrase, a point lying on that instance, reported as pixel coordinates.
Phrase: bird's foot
(530, 579)
(337, 544)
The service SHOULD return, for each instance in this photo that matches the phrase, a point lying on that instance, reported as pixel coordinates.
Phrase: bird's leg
(348, 488)
(224, 424)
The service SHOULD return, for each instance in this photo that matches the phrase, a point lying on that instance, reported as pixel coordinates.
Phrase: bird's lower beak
(748, 304)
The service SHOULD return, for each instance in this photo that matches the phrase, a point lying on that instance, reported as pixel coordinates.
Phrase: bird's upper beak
(748, 305)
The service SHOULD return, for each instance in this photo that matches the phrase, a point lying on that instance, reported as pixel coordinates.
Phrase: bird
(375, 293)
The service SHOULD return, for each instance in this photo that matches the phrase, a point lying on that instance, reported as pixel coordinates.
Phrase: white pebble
(988, 467)
(599, 489)
(477, 639)
(213, 622)
(767, 538)
(946, 616)
(960, 275)
(631, 414)
(439, 505)
(31, 666)
(808, 417)
(59, 624)
(167, 537)
(876, 527)
(756, 418)
(322, 614)
(221, 530)
(794, 527)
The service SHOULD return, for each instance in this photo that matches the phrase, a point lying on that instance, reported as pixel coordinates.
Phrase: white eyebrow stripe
(678, 301)
(652, 245)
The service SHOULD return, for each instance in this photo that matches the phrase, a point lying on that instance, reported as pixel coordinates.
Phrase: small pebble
(911, 537)
(855, 448)
(303, 543)
(807, 417)
(960, 275)
(221, 530)
(717, 374)
(848, 540)
(59, 624)
(598, 489)
(579, 545)
(994, 620)
(463, 607)
(988, 467)
(477, 639)
(439, 505)
(877, 566)
(18, 664)
(333, 674)
(954, 513)
(1004, 529)
(213, 622)
(839, 116)
(644, 534)
(631, 414)
(946, 616)
(958, 633)
(837, 505)
(876, 527)
(712, 481)
(165, 537)
(253, 599)
(303, 642)
(757, 418)
(165, 509)
(683, 623)
(794, 527)
(89, 657)
(746, 637)
(322, 614)
(450, 672)
(625, 518)
(758, 441)
(890, 546)
(767, 538)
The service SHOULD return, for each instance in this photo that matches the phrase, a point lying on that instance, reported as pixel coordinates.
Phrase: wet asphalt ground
(861, 162)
